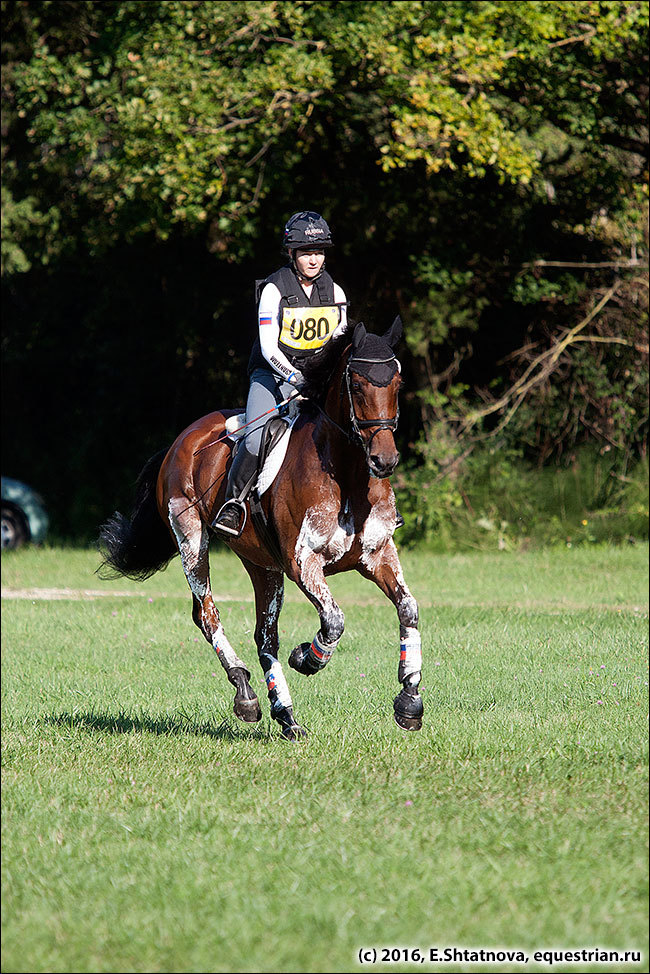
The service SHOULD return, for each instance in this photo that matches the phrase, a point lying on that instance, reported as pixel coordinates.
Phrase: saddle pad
(234, 424)
(275, 457)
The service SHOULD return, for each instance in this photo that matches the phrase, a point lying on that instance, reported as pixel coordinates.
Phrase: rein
(231, 435)
(333, 421)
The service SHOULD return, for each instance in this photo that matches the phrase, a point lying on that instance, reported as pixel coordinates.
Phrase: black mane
(319, 368)
(372, 356)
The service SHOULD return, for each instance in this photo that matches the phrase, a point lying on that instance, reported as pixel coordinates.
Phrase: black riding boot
(231, 519)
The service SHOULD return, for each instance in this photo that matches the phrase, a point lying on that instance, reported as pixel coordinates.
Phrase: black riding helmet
(306, 229)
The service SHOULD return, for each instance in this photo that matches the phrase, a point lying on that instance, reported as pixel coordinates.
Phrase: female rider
(300, 309)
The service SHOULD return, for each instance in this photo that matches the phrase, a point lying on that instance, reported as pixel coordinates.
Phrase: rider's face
(309, 261)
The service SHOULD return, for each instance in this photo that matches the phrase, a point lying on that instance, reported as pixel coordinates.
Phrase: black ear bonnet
(373, 356)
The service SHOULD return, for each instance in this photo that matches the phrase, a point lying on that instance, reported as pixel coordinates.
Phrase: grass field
(146, 829)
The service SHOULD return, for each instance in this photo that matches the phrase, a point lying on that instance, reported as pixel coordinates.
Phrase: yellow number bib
(308, 329)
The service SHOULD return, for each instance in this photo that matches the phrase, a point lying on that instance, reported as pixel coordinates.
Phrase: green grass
(146, 829)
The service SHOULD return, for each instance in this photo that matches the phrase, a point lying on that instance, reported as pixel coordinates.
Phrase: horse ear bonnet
(394, 333)
(358, 336)
(373, 357)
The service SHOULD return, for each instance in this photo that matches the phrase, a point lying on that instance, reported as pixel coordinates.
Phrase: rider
(300, 309)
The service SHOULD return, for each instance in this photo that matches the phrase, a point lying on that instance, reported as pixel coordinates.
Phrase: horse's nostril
(385, 464)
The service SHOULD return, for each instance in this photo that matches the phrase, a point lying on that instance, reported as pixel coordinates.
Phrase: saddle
(273, 449)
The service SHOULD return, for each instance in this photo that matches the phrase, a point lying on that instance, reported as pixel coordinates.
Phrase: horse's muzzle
(382, 466)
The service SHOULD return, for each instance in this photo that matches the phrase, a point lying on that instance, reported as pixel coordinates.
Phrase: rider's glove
(297, 380)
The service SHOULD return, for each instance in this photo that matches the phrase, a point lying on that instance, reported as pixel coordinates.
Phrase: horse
(330, 509)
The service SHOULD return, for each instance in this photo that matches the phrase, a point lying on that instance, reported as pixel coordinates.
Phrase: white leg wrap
(277, 686)
(225, 652)
(410, 657)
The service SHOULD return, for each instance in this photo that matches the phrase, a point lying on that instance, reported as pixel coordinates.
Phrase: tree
(484, 165)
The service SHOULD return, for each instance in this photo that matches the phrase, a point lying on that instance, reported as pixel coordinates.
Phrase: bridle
(362, 424)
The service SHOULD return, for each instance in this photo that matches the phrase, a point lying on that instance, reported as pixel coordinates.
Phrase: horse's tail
(142, 545)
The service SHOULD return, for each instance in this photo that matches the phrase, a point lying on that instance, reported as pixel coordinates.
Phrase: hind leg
(193, 541)
(269, 596)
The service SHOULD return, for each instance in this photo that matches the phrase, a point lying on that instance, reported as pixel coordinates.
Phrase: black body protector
(306, 323)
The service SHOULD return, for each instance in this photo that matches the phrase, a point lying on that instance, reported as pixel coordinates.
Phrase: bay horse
(330, 509)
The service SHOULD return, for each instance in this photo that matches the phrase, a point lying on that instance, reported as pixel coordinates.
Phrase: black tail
(141, 546)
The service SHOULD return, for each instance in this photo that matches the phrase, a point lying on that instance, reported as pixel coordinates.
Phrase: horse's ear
(359, 336)
(394, 333)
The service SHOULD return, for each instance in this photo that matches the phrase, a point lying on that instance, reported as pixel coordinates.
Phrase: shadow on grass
(175, 725)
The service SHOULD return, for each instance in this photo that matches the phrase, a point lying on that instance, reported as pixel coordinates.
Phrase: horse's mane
(319, 368)
(368, 350)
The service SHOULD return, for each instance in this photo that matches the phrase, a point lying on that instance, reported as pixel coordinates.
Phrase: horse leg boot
(310, 658)
(407, 706)
(231, 518)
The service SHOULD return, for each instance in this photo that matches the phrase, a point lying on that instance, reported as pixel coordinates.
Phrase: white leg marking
(325, 532)
(323, 539)
(377, 532)
(191, 554)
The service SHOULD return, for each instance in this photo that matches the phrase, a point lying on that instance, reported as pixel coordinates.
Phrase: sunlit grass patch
(146, 829)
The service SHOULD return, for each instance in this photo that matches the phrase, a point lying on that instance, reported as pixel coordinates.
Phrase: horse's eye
(356, 386)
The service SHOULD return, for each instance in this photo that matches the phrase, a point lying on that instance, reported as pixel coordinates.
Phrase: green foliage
(530, 288)
(503, 503)
(153, 115)
(446, 307)
(152, 151)
(23, 226)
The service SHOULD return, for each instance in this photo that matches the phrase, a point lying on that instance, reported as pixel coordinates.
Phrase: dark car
(24, 517)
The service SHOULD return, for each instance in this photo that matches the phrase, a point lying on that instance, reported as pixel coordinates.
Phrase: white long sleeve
(268, 318)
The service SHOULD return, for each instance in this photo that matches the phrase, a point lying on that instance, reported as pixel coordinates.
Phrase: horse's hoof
(247, 709)
(290, 730)
(408, 723)
(408, 709)
(302, 661)
(294, 732)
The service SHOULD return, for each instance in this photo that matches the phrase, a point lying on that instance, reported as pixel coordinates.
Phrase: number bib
(308, 329)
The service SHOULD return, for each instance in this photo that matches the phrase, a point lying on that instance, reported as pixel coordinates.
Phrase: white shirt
(269, 308)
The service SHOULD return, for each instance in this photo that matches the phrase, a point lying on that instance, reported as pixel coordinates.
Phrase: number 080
(309, 329)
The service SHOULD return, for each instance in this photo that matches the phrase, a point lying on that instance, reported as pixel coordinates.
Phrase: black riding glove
(297, 380)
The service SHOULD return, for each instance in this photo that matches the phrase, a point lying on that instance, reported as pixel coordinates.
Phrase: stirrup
(229, 520)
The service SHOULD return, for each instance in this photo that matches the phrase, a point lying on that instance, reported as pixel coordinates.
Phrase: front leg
(307, 573)
(384, 568)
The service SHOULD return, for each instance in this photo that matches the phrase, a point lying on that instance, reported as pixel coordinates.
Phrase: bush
(499, 500)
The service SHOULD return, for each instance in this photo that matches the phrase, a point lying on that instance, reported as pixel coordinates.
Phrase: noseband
(362, 424)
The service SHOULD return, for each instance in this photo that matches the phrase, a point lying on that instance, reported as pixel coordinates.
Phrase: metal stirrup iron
(233, 507)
